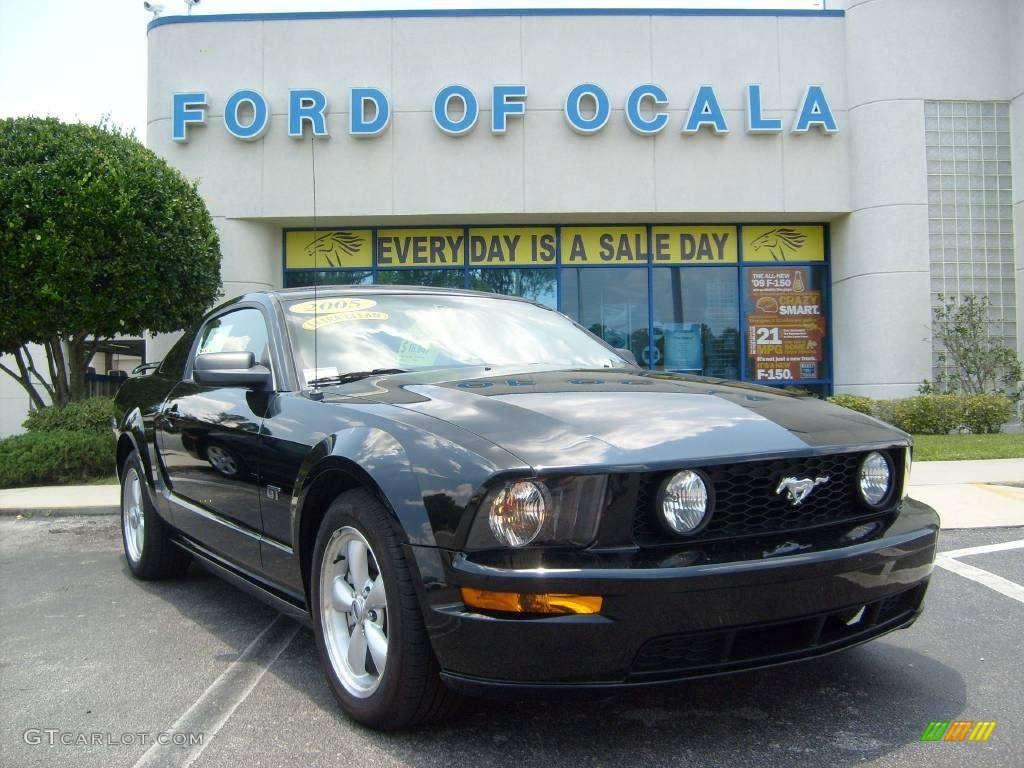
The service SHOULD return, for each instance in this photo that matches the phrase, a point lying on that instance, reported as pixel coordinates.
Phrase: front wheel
(369, 629)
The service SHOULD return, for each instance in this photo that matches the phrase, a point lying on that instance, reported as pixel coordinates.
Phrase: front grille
(746, 503)
(679, 655)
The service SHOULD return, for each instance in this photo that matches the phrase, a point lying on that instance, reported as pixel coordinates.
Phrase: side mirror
(230, 369)
(630, 357)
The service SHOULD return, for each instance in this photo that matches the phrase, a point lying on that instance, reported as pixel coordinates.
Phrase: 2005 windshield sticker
(332, 311)
(785, 325)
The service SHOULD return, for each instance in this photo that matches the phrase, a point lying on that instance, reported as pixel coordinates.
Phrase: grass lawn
(956, 447)
(108, 480)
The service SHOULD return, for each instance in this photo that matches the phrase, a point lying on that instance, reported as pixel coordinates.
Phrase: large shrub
(973, 356)
(53, 458)
(92, 415)
(99, 237)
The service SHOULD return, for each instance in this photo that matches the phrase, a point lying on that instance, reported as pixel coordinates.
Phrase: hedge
(857, 403)
(53, 458)
(986, 413)
(936, 414)
(92, 415)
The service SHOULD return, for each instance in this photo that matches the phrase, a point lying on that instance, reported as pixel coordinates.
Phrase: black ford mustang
(466, 493)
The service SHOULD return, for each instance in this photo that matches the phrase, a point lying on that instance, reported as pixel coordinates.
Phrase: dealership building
(774, 196)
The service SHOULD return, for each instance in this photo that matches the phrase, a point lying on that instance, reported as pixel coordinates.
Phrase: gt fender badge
(799, 488)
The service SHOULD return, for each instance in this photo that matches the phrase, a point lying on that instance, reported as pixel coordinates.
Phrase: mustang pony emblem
(779, 241)
(799, 488)
(332, 247)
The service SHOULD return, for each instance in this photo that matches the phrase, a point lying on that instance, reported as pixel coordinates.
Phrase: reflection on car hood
(624, 418)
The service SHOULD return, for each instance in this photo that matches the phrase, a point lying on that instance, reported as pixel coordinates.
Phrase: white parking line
(990, 580)
(211, 711)
(984, 549)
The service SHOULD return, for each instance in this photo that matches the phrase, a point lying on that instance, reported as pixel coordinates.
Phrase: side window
(244, 330)
(173, 364)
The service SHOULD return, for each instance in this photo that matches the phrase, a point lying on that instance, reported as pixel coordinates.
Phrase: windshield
(417, 332)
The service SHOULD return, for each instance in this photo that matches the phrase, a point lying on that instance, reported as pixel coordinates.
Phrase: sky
(81, 61)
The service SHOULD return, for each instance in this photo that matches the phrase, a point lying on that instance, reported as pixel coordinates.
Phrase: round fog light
(683, 502)
(875, 478)
(517, 513)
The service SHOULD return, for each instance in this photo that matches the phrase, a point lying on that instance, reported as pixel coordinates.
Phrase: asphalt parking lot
(89, 654)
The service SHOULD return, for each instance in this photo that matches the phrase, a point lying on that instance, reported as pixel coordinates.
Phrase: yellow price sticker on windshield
(330, 306)
(341, 317)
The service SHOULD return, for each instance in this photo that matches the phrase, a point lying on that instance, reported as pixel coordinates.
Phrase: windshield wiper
(346, 378)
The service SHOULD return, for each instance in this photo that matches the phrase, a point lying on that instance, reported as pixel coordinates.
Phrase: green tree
(99, 238)
(972, 356)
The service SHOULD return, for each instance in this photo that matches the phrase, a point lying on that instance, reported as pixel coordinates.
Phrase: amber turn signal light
(522, 602)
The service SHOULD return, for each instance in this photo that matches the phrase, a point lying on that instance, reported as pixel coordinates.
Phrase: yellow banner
(523, 246)
(421, 248)
(326, 250)
(693, 245)
(583, 246)
(784, 242)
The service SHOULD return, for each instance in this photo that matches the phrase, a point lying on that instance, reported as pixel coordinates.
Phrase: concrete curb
(36, 512)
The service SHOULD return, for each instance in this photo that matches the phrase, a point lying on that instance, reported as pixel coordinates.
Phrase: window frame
(272, 341)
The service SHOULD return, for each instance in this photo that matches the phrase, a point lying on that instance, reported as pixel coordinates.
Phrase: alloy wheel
(133, 514)
(353, 612)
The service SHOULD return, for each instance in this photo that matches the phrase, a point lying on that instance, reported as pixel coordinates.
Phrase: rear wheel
(369, 628)
(147, 544)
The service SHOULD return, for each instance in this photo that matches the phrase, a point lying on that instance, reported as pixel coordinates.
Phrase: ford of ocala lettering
(468, 493)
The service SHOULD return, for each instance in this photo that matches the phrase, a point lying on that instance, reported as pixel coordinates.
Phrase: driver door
(208, 438)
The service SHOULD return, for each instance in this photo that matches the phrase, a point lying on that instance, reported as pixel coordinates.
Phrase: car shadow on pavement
(853, 706)
(841, 709)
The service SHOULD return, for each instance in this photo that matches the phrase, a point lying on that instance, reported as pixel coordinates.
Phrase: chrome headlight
(556, 510)
(684, 502)
(874, 479)
(516, 513)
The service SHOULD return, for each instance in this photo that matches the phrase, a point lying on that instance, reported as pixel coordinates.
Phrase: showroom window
(696, 321)
(431, 278)
(610, 302)
(748, 302)
(308, 277)
(535, 283)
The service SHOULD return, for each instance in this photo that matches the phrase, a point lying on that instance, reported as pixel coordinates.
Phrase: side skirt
(247, 583)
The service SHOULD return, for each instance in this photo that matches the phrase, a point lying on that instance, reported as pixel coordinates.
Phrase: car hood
(624, 418)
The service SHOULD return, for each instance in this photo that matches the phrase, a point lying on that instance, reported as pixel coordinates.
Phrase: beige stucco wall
(877, 65)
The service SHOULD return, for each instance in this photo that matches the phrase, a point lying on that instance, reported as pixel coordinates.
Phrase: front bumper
(678, 615)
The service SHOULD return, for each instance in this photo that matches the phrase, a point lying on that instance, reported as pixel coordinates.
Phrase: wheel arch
(132, 437)
(332, 479)
(363, 457)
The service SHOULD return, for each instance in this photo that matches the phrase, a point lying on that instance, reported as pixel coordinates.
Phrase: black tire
(155, 556)
(410, 691)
